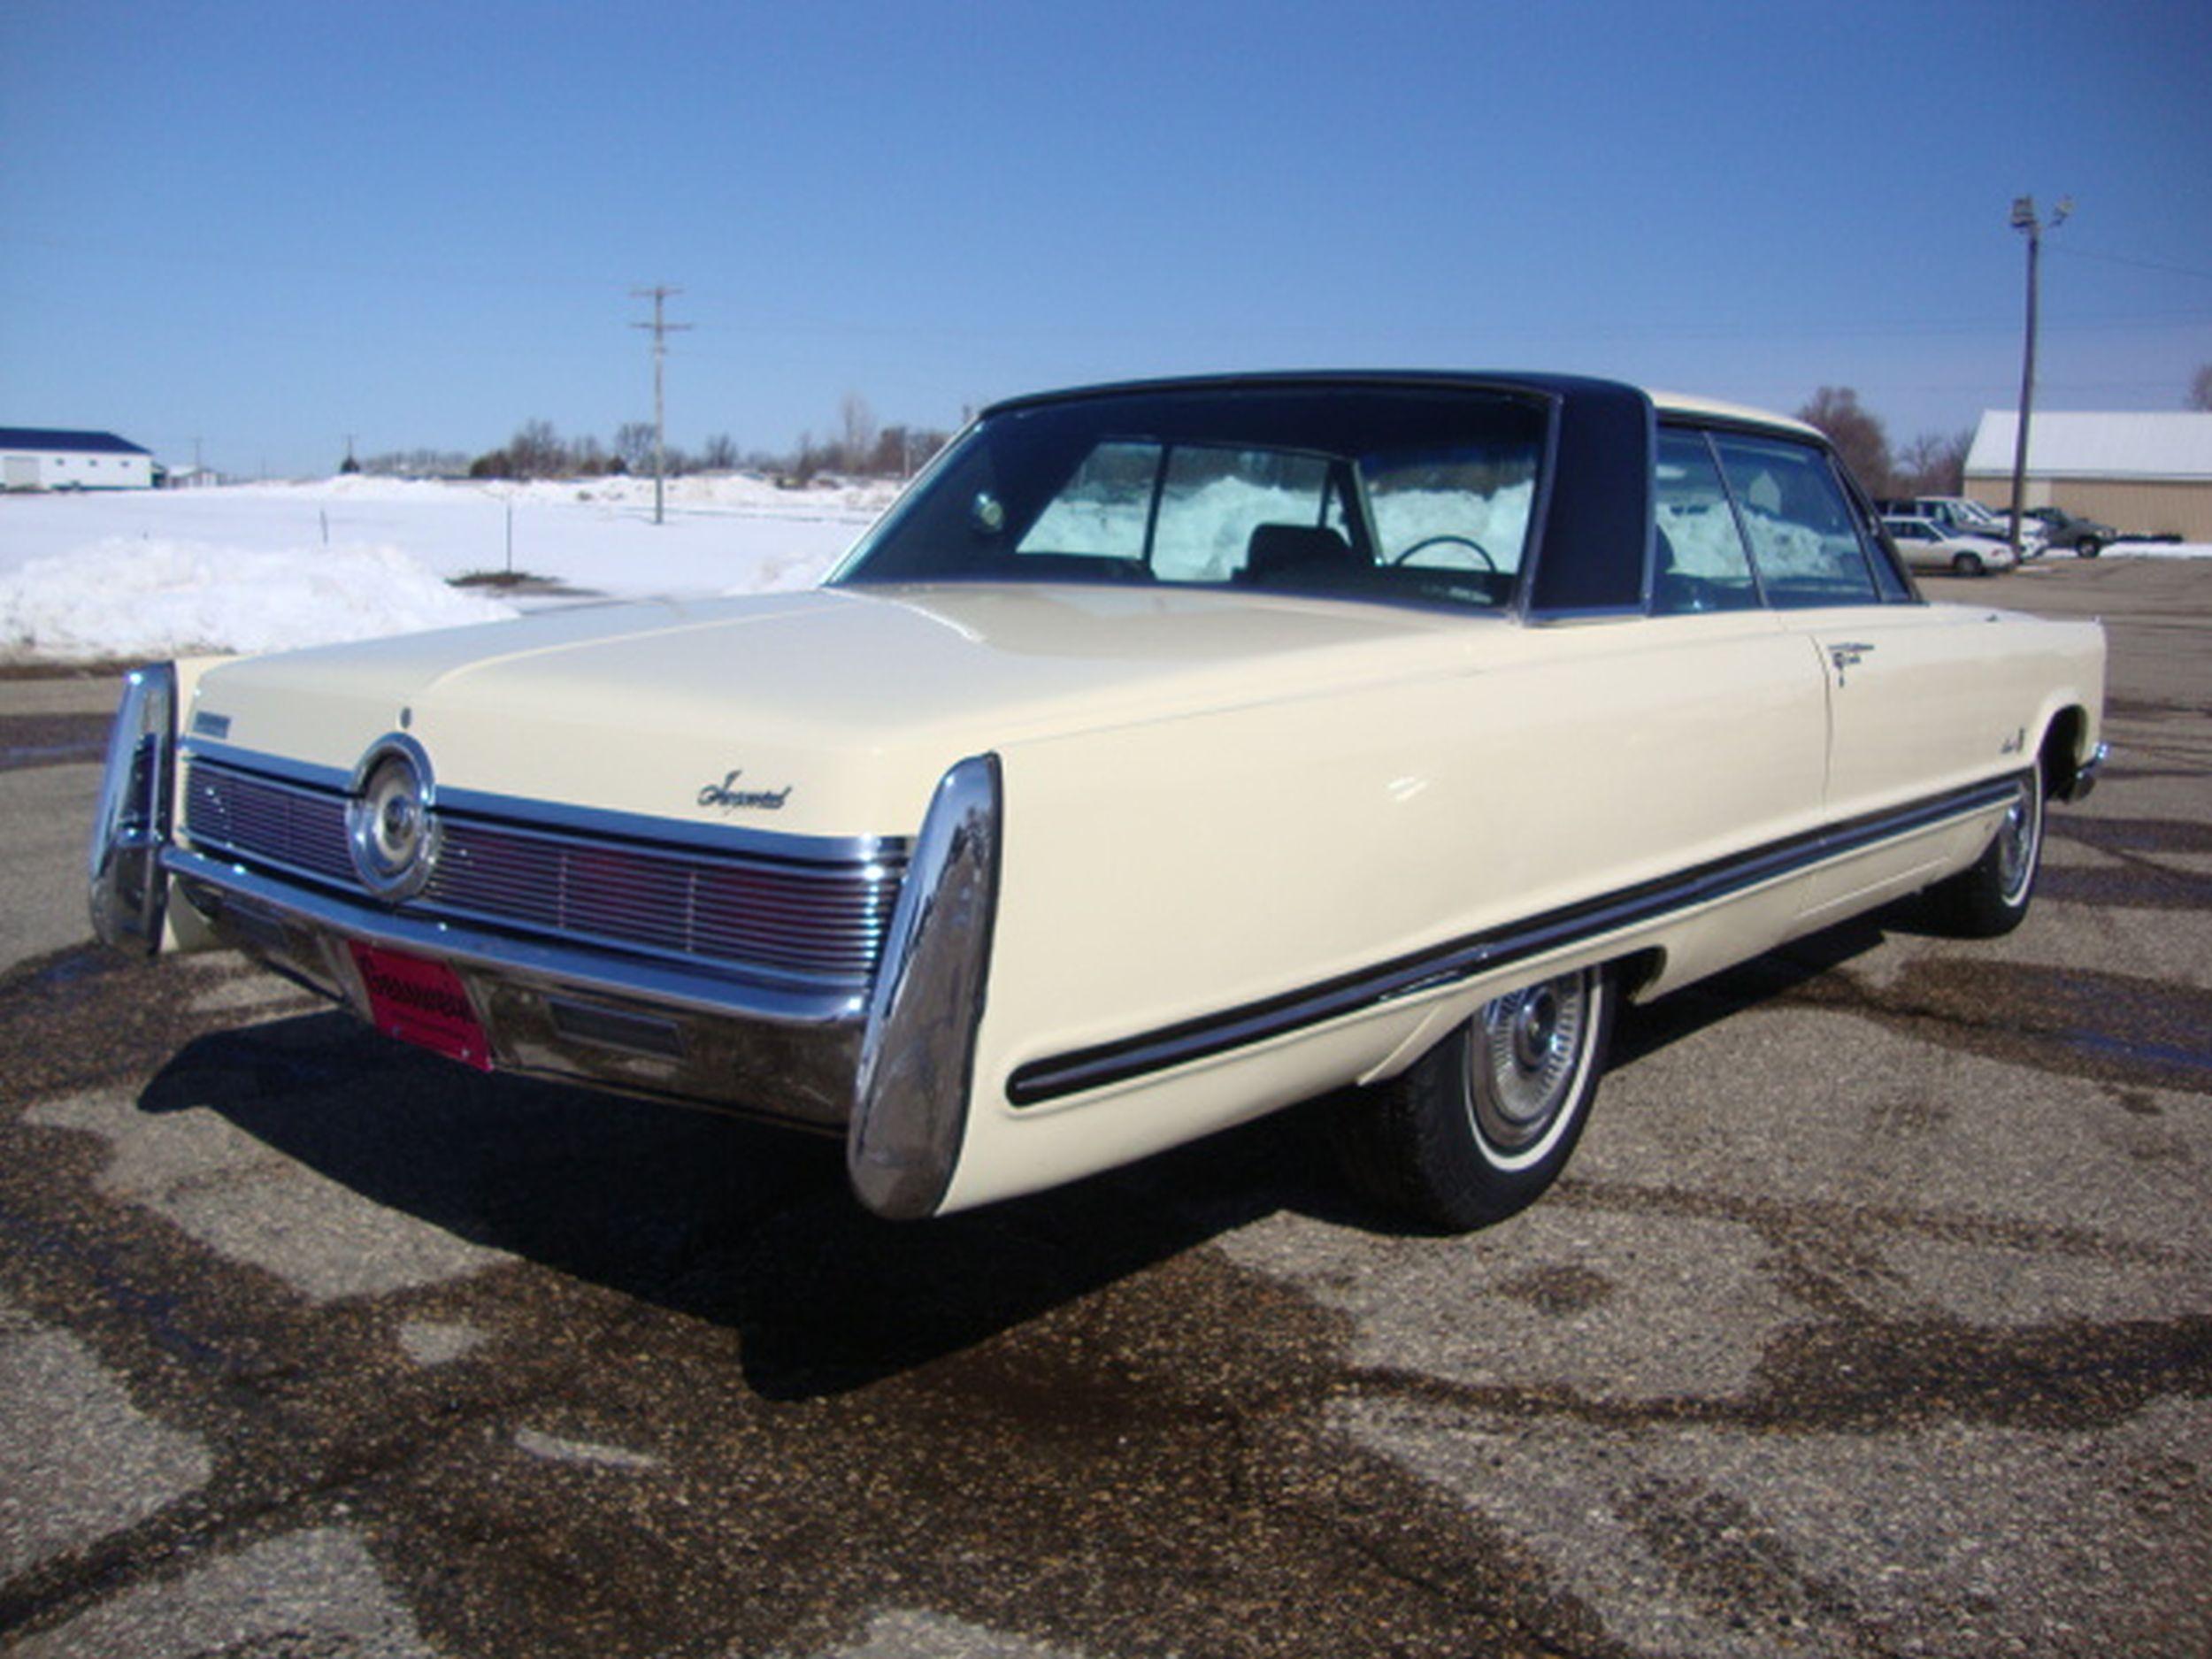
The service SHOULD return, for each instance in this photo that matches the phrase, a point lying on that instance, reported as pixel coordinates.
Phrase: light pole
(2024, 220)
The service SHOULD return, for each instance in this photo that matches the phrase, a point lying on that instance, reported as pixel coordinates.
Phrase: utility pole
(661, 329)
(2024, 220)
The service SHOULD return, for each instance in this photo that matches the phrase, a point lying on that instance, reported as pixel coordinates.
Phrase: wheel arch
(1635, 973)
(2065, 751)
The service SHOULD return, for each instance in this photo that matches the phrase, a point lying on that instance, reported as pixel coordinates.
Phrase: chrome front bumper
(628, 1024)
(886, 1063)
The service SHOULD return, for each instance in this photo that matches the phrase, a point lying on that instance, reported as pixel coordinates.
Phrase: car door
(1916, 700)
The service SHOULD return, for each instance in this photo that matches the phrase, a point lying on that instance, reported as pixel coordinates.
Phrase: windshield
(1398, 495)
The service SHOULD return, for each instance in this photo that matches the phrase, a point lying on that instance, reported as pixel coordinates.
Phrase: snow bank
(2159, 550)
(147, 598)
(143, 573)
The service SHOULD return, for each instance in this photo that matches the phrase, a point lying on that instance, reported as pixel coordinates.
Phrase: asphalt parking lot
(1874, 1317)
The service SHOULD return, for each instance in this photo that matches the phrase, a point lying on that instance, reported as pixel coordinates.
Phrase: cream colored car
(1169, 754)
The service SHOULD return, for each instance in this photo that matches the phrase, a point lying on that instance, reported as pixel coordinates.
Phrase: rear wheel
(1991, 895)
(1477, 1127)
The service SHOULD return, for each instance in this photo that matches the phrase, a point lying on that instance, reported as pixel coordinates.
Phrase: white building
(38, 458)
(2145, 474)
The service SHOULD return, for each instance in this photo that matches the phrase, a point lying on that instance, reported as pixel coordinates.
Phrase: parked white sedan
(1928, 546)
(1169, 754)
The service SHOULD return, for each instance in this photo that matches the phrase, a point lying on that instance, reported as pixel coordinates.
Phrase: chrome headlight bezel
(392, 828)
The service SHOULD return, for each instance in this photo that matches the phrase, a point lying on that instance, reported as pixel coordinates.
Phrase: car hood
(833, 711)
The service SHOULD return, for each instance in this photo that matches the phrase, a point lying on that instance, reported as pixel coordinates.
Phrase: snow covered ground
(252, 567)
(150, 573)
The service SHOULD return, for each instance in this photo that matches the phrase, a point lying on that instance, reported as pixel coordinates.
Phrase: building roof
(76, 443)
(2172, 446)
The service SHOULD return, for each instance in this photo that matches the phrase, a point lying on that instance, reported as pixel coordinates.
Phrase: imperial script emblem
(730, 798)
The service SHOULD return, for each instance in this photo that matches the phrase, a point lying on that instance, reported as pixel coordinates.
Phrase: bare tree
(1932, 464)
(1857, 434)
(2200, 387)
(536, 451)
(719, 454)
(900, 449)
(633, 445)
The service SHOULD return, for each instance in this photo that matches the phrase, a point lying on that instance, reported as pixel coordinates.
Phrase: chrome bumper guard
(129, 894)
(886, 1061)
(2085, 778)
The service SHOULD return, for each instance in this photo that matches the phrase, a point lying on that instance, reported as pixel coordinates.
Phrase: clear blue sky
(269, 226)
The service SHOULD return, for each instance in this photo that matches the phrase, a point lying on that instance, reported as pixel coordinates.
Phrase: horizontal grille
(813, 920)
(297, 829)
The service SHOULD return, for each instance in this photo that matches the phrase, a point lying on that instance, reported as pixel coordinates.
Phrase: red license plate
(423, 1003)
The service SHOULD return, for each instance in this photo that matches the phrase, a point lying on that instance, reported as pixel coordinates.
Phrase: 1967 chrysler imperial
(1170, 753)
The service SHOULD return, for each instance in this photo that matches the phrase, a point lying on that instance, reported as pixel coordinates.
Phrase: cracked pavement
(1874, 1317)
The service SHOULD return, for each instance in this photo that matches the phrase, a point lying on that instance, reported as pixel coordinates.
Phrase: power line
(662, 328)
(2128, 260)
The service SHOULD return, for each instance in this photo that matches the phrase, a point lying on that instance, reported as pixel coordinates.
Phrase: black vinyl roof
(1432, 380)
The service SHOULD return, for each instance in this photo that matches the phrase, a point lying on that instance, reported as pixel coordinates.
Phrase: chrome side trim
(917, 1056)
(1462, 959)
(128, 893)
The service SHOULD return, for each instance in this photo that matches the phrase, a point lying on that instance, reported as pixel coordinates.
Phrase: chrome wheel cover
(1527, 1060)
(2019, 839)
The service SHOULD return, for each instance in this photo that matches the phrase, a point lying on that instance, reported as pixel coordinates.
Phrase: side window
(1211, 500)
(1188, 511)
(1698, 558)
(1890, 579)
(1804, 537)
(1105, 510)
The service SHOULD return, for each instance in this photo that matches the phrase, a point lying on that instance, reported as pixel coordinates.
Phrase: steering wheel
(1468, 542)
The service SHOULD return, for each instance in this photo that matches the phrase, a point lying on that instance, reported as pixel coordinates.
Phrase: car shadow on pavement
(1647, 1028)
(751, 1228)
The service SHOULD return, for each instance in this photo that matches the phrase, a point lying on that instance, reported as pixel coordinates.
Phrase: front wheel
(2088, 548)
(1990, 896)
(1477, 1127)
(1967, 564)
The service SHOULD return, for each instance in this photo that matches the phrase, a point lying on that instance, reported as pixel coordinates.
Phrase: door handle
(1848, 656)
